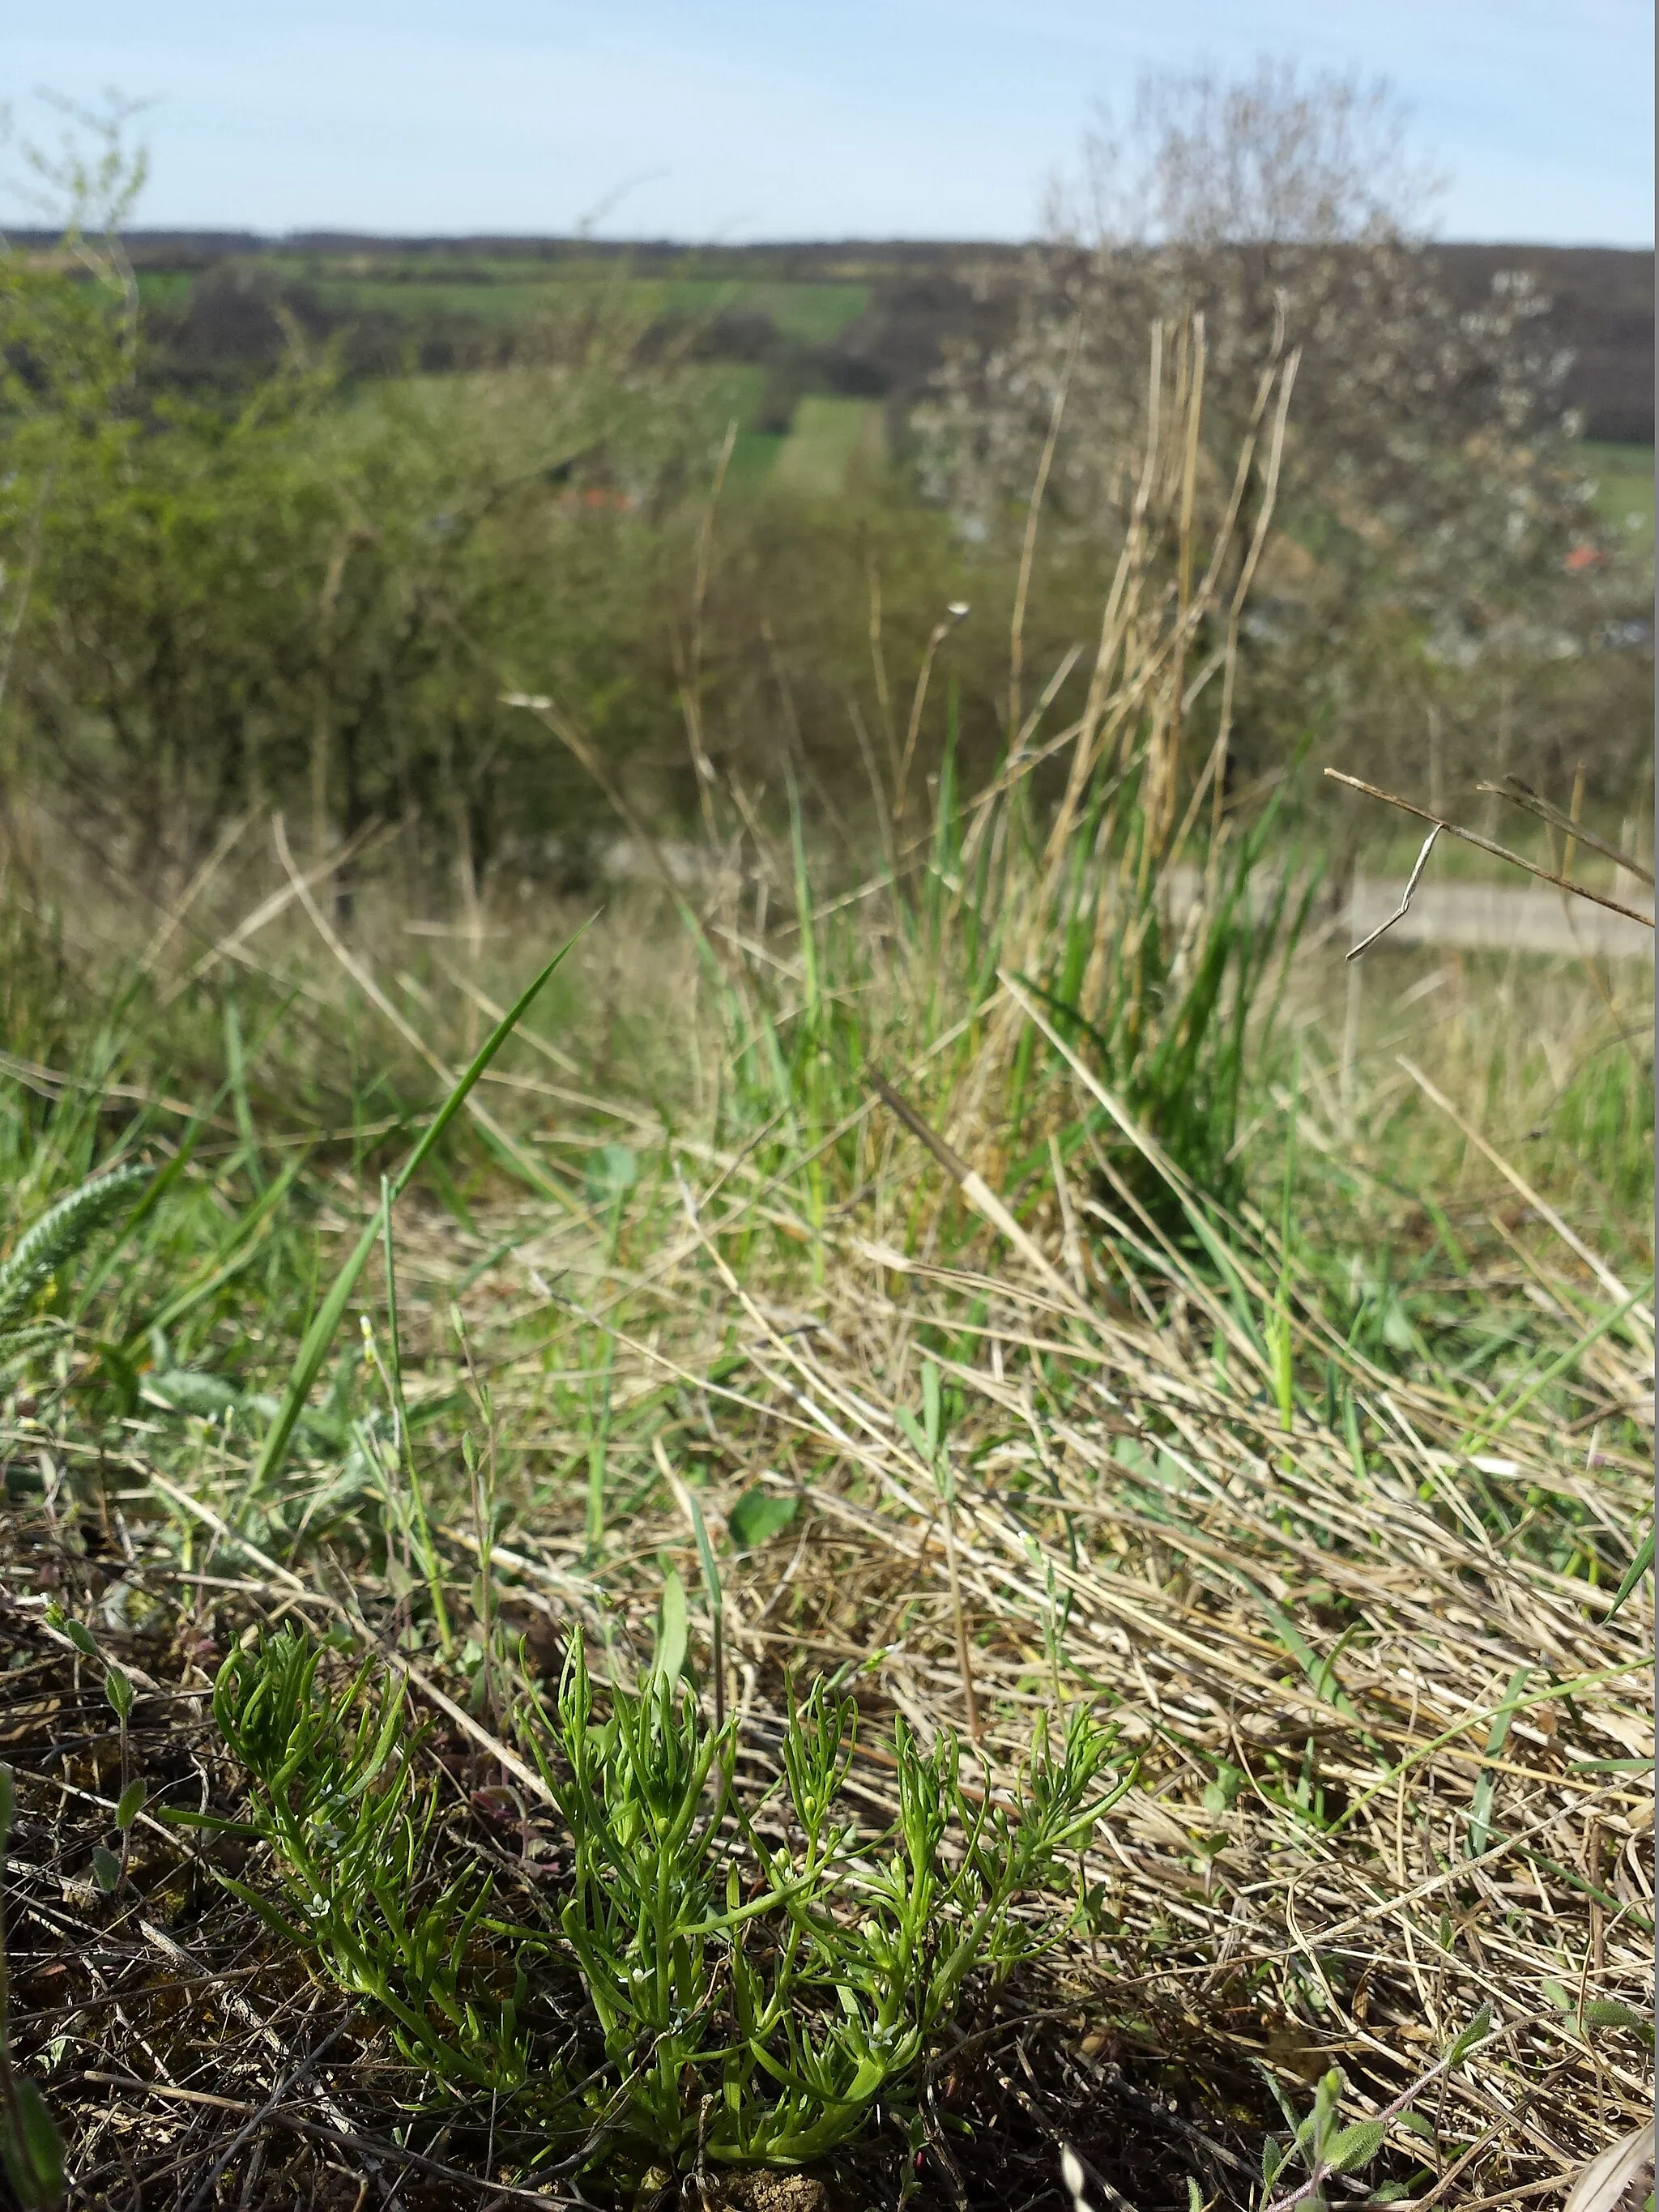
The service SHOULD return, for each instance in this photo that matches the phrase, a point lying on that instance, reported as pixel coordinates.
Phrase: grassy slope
(508, 293)
(1379, 1707)
(1309, 1457)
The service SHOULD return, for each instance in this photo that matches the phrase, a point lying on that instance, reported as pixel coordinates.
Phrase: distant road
(1524, 916)
(1503, 918)
(1474, 917)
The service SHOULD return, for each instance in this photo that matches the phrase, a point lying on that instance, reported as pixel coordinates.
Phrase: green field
(495, 302)
(814, 454)
(1623, 476)
(165, 288)
(814, 314)
(512, 291)
(828, 444)
(828, 441)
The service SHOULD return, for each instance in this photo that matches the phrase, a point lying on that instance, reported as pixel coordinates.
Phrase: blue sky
(734, 119)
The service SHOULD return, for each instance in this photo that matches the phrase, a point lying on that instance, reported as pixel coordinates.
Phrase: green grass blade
(237, 1249)
(320, 1335)
(1486, 1787)
(1497, 1421)
(1638, 1566)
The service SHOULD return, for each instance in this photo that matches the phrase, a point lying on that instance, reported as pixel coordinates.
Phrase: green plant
(109, 1868)
(754, 2000)
(350, 1827)
(61, 1234)
(850, 1960)
(1327, 2152)
(31, 2150)
(852, 1956)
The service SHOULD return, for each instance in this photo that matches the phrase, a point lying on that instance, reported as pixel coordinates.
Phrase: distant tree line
(1596, 304)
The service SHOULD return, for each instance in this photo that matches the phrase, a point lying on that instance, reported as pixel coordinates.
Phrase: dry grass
(1391, 1758)
(1316, 1485)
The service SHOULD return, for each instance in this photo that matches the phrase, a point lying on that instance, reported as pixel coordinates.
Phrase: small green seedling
(1328, 2152)
(109, 1868)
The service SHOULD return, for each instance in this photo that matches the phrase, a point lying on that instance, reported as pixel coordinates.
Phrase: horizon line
(313, 235)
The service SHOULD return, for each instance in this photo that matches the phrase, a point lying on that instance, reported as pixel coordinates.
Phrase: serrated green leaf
(105, 1869)
(1356, 2146)
(1272, 2160)
(60, 1233)
(81, 1636)
(119, 1690)
(131, 1804)
(184, 1391)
